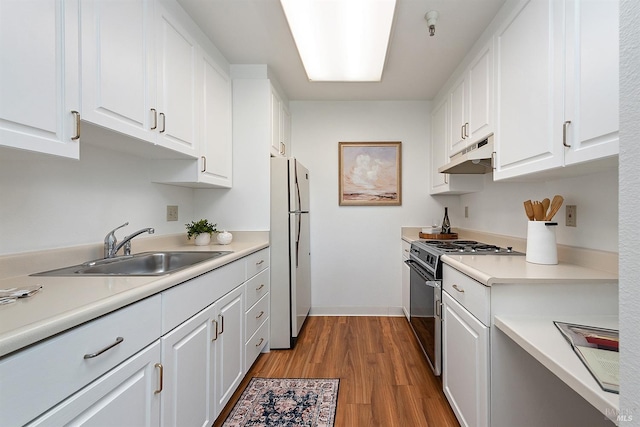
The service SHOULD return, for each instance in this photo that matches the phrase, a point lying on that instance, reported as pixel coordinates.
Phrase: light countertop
(495, 269)
(539, 337)
(66, 302)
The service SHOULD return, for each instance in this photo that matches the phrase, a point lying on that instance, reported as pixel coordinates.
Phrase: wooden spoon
(538, 214)
(528, 208)
(545, 206)
(555, 206)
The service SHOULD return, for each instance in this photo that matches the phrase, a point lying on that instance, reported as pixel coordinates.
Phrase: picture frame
(369, 174)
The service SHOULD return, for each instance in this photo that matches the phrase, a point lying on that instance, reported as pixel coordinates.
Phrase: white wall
(50, 202)
(356, 250)
(629, 208)
(499, 208)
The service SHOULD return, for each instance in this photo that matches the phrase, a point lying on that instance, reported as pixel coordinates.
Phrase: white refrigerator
(290, 251)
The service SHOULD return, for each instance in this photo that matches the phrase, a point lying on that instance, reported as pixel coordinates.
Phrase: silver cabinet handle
(98, 353)
(260, 287)
(458, 289)
(260, 342)
(215, 326)
(565, 125)
(204, 164)
(76, 115)
(260, 315)
(164, 122)
(155, 119)
(283, 148)
(466, 130)
(462, 131)
(221, 317)
(161, 379)
(260, 262)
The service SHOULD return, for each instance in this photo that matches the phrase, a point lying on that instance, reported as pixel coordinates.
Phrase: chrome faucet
(111, 245)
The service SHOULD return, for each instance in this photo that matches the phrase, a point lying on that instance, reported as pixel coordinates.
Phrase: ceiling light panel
(341, 40)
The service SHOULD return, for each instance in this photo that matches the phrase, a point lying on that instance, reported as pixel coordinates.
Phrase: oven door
(425, 313)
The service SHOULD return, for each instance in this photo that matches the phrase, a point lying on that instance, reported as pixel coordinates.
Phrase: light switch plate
(172, 213)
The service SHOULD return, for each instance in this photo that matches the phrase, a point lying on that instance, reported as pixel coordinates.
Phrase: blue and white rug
(286, 402)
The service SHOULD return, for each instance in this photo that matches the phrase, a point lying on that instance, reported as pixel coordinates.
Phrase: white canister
(541, 242)
(224, 238)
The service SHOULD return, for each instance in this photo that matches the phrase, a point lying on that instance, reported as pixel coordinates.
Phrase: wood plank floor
(384, 377)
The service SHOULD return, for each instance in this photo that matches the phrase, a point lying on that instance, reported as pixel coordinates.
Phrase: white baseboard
(357, 311)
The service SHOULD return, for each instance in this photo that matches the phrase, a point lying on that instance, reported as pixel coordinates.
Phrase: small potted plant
(201, 230)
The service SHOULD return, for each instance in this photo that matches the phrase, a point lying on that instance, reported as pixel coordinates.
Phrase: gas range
(428, 252)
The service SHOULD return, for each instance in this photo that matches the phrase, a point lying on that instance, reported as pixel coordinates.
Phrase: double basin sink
(143, 264)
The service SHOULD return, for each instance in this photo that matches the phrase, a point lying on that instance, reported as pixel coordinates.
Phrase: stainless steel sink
(142, 264)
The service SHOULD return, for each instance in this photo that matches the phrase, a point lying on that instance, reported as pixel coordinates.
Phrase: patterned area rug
(286, 402)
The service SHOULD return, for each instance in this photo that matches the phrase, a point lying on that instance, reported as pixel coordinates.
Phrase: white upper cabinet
(118, 72)
(471, 103)
(591, 80)
(280, 126)
(557, 90)
(139, 73)
(216, 142)
(39, 89)
(177, 92)
(443, 183)
(529, 61)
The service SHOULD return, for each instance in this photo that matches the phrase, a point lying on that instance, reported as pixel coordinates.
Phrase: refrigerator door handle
(298, 228)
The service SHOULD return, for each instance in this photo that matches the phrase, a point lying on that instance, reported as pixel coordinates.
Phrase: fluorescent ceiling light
(341, 40)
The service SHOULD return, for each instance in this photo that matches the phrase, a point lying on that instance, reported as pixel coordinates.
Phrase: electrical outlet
(570, 220)
(466, 211)
(172, 213)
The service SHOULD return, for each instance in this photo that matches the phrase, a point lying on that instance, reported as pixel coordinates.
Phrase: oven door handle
(428, 278)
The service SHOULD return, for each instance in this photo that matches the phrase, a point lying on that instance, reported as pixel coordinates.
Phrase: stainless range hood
(475, 159)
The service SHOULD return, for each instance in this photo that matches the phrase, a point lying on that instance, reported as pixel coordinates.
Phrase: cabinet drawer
(256, 288)
(255, 344)
(473, 295)
(186, 299)
(256, 315)
(35, 379)
(406, 248)
(256, 262)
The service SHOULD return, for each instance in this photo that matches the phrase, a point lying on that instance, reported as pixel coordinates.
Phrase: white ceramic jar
(224, 237)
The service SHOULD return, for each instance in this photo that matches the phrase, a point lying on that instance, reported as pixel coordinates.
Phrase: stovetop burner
(466, 247)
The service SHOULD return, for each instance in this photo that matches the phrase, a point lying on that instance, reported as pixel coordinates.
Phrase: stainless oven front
(425, 313)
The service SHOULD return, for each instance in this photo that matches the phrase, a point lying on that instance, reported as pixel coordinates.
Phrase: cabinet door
(177, 94)
(216, 146)
(229, 346)
(277, 148)
(39, 86)
(118, 75)
(188, 359)
(529, 61)
(126, 395)
(286, 130)
(465, 367)
(439, 141)
(591, 80)
(406, 274)
(480, 99)
(459, 127)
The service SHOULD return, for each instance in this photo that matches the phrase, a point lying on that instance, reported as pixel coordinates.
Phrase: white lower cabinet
(173, 359)
(188, 360)
(465, 347)
(406, 278)
(229, 346)
(124, 396)
(465, 370)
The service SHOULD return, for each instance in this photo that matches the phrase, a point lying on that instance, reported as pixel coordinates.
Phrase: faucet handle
(110, 241)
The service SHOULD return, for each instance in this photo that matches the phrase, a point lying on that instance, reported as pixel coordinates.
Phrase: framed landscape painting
(369, 174)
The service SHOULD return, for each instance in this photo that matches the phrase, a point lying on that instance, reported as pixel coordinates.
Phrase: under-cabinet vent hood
(475, 159)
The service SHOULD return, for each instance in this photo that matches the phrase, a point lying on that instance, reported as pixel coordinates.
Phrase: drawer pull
(260, 262)
(260, 343)
(260, 287)
(155, 119)
(260, 315)
(221, 317)
(215, 326)
(161, 379)
(458, 289)
(98, 353)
